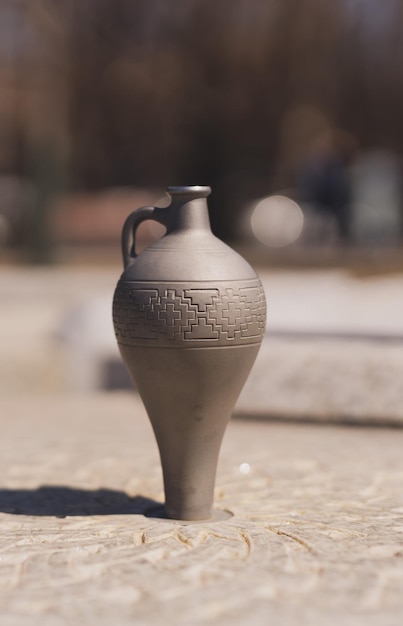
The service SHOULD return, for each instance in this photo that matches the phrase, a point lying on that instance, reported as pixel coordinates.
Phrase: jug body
(189, 317)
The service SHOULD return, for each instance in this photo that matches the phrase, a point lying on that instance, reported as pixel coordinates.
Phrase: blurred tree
(151, 93)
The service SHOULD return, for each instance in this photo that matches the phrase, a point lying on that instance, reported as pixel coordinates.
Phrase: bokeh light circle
(277, 221)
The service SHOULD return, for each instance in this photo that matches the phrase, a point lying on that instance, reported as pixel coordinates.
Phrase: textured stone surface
(316, 534)
(326, 379)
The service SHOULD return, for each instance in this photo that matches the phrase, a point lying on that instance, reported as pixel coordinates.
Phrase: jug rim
(198, 191)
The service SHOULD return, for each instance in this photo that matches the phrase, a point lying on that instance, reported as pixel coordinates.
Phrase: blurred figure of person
(17, 198)
(324, 181)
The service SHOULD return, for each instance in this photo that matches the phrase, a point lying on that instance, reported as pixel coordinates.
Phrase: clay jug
(189, 317)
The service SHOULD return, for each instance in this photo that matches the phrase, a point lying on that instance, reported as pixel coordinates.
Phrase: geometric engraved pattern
(172, 313)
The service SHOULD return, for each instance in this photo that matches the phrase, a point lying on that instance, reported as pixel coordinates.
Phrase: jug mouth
(196, 191)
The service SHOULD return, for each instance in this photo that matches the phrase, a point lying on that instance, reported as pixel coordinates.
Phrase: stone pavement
(314, 532)
(315, 536)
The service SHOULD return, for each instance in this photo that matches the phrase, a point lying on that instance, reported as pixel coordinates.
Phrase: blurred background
(290, 111)
(253, 98)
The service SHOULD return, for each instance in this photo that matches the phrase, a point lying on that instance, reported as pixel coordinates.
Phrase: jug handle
(129, 230)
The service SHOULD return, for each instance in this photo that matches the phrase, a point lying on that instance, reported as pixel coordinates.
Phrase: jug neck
(188, 209)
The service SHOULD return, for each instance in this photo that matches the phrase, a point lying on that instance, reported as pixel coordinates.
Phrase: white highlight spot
(244, 468)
